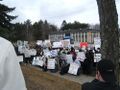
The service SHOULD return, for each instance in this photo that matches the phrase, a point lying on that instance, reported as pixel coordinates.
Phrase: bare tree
(109, 31)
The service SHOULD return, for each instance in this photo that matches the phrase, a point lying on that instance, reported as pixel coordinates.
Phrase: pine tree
(5, 18)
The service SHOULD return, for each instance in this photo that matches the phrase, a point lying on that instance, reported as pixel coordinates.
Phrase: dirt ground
(38, 80)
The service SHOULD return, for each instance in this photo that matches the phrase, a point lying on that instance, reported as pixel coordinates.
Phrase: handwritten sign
(73, 69)
(97, 57)
(51, 64)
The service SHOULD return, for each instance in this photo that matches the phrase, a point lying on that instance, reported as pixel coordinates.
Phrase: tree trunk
(109, 32)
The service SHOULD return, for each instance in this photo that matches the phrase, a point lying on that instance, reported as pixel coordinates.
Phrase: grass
(38, 80)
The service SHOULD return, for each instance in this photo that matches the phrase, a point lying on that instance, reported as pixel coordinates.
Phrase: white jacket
(11, 77)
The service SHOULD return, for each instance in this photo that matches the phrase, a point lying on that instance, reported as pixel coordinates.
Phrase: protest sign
(66, 43)
(97, 57)
(97, 42)
(73, 69)
(39, 42)
(69, 58)
(37, 61)
(20, 58)
(57, 45)
(81, 56)
(47, 43)
(51, 64)
(83, 44)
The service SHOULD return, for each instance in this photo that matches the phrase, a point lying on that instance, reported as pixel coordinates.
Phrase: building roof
(74, 31)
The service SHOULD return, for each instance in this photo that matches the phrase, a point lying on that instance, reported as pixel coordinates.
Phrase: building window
(85, 37)
(82, 37)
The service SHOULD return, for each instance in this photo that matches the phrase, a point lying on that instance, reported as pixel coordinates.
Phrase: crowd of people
(12, 78)
(64, 57)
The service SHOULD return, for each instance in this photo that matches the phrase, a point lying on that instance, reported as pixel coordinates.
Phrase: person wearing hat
(11, 77)
(105, 77)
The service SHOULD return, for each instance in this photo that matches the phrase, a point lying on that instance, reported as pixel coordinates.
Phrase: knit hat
(106, 69)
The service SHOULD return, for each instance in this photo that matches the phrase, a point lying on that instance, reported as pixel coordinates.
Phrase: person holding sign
(105, 77)
(11, 77)
(73, 53)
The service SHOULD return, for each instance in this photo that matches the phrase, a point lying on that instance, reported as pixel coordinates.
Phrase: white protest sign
(97, 42)
(19, 43)
(37, 61)
(97, 57)
(51, 64)
(54, 53)
(32, 52)
(39, 42)
(73, 69)
(81, 56)
(27, 53)
(66, 43)
(20, 58)
(57, 45)
(69, 58)
(47, 43)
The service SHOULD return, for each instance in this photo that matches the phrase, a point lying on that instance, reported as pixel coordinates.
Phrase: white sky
(55, 11)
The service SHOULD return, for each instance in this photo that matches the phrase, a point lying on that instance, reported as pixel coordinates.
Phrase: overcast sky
(55, 11)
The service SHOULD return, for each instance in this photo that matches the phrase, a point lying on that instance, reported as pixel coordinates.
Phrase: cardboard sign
(73, 69)
(51, 64)
(69, 58)
(81, 56)
(97, 57)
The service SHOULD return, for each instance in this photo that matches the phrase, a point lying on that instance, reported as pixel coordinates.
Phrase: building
(78, 35)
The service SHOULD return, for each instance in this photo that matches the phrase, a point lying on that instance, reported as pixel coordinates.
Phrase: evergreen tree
(5, 18)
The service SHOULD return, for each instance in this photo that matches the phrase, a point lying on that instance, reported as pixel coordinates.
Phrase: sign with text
(66, 43)
(37, 61)
(69, 58)
(81, 56)
(97, 57)
(73, 69)
(51, 64)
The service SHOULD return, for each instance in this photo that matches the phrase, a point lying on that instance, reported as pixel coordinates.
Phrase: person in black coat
(87, 64)
(105, 77)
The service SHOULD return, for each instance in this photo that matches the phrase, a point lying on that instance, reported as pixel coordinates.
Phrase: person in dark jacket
(105, 77)
(73, 53)
(87, 64)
